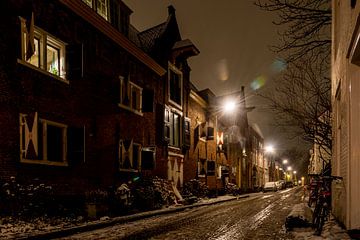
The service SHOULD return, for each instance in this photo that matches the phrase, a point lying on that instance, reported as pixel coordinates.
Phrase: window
(49, 54)
(130, 96)
(129, 156)
(175, 85)
(102, 9)
(202, 167)
(174, 129)
(45, 142)
(100, 6)
(186, 132)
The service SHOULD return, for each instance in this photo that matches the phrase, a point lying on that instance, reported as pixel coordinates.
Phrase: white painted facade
(346, 111)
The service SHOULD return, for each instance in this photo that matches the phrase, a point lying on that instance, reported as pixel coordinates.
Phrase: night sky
(233, 37)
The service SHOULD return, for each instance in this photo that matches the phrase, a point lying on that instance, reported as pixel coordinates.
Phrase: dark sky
(233, 37)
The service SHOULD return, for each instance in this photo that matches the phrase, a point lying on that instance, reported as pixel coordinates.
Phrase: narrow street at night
(261, 216)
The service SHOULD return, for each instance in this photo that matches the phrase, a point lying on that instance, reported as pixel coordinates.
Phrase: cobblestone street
(261, 216)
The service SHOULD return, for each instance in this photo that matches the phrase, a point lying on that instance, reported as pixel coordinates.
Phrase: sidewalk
(106, 221)
(331, 230)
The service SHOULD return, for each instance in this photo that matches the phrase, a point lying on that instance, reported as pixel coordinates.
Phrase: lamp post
(288, 175)
(270, 150)
(295, 178)
(227, 108)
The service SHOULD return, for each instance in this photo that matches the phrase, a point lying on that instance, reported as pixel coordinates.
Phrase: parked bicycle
(323, 202)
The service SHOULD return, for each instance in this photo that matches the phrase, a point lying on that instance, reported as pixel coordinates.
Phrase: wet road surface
(258, 217)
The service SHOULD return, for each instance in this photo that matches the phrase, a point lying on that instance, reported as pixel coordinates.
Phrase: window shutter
(147, 100)
(186, 133)
(75, 61)
(76, 145)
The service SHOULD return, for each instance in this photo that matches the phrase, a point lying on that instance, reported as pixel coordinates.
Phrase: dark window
(211, 168)
(54, 143)
(175, 87)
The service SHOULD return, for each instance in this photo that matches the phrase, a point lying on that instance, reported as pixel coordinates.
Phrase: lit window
(88, 2)
(130, 96)
(53, 59)
(49, 54)
(101, 8)
(173, 128)
(175, 85)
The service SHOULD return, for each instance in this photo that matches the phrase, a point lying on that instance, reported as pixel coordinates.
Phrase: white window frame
(45, 39)
(139, 147)
(173, 129)
(174, 69)
(43, 123)
(129, 90)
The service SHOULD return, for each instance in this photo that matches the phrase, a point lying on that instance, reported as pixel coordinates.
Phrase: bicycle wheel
(320, 221)
(316, 215)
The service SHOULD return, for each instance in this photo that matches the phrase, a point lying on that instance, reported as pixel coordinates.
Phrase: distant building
(258, 159)
(345, 97)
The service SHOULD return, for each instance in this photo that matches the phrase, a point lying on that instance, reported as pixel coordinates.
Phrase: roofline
(198, 99)
(106, 28)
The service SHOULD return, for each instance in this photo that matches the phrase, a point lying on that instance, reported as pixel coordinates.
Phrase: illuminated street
(260, 216)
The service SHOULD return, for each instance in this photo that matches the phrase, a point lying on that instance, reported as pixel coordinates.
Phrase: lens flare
(278, 65)
(222, 70)
(258, 83)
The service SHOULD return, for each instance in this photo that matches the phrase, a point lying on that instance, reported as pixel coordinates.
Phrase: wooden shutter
(147, 100)
(76, 145)
(75, 61)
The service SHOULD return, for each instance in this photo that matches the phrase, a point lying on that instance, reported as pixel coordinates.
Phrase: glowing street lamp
(229, 106)
(285, 161)
(269, 149)
(289, 168)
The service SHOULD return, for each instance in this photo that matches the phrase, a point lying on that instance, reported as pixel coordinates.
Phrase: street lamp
(285, 161)
(228, 107)
(269, 149)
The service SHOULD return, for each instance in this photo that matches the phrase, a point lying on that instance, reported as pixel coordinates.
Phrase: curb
(116, 220)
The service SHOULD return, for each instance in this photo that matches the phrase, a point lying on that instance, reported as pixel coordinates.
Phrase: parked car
(289, 184)
(280, 184)
(270, 187)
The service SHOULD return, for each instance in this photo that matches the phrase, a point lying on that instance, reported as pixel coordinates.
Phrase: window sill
(175, 104)
(130, 109)
(26, 64)
(128, 170)
(45, 162)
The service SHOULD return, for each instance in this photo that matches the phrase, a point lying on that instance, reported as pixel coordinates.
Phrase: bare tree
(301, 98)
(306, 27)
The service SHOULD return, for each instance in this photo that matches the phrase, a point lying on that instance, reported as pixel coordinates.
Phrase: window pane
(35, 58)
(54, 143)
(175, 87)
(135, 98)
(136, 156)
(176, 130)
(53, 59)
(101, 8)
(88, 2)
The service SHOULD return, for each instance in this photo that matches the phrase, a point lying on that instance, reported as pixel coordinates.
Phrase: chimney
(171, 10)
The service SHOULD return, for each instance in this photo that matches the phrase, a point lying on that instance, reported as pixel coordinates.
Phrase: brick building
(345, 98)
(87, 100)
